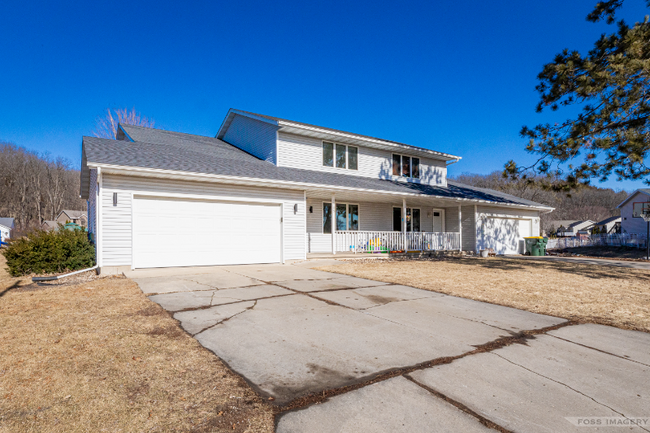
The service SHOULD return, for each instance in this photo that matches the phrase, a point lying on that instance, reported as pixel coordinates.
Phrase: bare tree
(34, 187)
(106, 127)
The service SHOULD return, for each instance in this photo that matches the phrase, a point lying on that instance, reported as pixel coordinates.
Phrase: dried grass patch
(99, 356)
(597, 294)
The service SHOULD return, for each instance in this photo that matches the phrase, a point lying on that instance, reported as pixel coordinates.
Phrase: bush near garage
(49, 252)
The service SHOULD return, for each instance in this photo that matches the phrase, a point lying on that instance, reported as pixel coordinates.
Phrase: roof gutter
(119, 169)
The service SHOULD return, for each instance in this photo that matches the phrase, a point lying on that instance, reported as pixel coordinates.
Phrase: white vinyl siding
(253, 136)
(469, 228)
(307, 153)
(451, 219)
(629, 224)
(116, 226)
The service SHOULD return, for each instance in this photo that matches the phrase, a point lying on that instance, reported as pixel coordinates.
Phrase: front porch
(353, 224)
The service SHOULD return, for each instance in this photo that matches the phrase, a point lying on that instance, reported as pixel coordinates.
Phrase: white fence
(383, 242)
(618, 240)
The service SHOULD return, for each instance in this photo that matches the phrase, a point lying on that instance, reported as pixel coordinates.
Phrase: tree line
(583, 203)
(36, 187)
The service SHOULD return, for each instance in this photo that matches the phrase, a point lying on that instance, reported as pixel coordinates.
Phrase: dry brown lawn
(99, 356)
(606, 295)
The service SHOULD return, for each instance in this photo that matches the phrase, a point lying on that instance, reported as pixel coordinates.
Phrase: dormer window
(406, 166)
(340, 156)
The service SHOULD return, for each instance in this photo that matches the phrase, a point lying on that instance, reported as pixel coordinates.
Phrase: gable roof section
(645, 191)
(318, 131)
(72, 213)
(7, 222)
(186, 153)
(608, 220)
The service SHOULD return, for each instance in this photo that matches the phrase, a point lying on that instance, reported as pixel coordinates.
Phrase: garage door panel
(198, 233)
(503, 235)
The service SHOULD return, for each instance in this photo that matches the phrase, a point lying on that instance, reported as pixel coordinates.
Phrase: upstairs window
(397, 165)
(340, 156)
(353, 157)
(406, 166)
(328, 154)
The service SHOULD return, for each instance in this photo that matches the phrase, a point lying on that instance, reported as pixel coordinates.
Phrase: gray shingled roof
(74, 213)
(158, 149)
(608, 220)
(7, 222)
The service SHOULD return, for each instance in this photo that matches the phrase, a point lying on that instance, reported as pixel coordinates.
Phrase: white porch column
(404, 224)
(476, 229)
(460, 227)
(333, 219)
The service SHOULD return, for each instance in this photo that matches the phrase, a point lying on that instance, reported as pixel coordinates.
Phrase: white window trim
(347, 216)
(407, 208)
(347, 156)
(400, 176)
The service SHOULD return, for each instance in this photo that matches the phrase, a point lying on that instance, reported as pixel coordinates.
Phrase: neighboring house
(6, 227)
(267, 190)
(570, 228)
(631, 223)
(609, 226)
(78, 217)
(48, 225)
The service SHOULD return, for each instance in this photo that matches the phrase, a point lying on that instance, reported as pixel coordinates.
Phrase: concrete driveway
(344, 354)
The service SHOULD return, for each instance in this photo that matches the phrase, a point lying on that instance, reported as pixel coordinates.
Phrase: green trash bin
(531, 242)
(542, 246)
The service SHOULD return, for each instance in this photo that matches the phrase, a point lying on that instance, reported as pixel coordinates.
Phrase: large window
(412, 219)
(406, 166)
(340, 156)
(347, 217)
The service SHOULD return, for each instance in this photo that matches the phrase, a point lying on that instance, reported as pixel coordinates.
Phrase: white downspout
(99, 241)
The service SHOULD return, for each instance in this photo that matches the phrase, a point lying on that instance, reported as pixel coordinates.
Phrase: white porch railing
(384, 242)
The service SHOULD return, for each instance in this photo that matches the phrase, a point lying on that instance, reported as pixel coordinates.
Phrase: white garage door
(169, 232)
(505, 235)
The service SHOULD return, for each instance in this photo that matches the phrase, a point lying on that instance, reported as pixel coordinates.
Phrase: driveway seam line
(599, 350)
(308, 400)
(564, 384)
(460, 406)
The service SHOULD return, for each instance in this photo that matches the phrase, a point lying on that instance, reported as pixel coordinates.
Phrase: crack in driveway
(564, 384)
(226, 319)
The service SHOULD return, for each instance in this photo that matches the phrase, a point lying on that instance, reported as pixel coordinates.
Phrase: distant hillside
(586, 203)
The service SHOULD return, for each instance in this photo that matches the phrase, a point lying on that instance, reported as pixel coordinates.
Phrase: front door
(438, 220)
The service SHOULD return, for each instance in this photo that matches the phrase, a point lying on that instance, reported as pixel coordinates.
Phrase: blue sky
(454, 76)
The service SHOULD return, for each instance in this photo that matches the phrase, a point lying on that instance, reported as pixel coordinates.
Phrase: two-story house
(268, 190)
